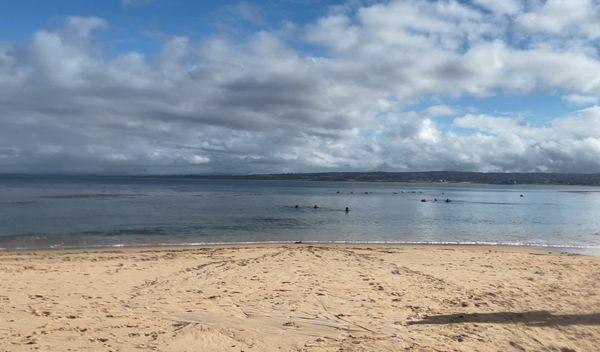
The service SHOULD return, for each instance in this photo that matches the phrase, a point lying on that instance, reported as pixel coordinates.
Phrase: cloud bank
(357, 89)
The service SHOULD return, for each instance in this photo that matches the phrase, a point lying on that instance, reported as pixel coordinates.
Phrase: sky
(277, 86)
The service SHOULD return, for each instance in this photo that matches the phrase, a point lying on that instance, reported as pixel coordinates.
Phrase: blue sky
(176, 17)
(201, 86)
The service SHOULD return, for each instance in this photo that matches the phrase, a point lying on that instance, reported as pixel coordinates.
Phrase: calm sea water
(42, 212)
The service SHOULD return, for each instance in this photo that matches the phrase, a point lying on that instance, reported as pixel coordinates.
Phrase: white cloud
(440, 110)
(83, 26)
(578, 99)
(564, 17)
(500, 143)
(260, 104)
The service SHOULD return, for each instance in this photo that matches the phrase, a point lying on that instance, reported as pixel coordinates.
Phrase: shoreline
(566, 249)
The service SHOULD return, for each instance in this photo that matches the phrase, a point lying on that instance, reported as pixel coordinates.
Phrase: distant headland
(494, 178)
(499, 178)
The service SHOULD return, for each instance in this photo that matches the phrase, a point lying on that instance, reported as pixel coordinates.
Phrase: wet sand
(300, 298)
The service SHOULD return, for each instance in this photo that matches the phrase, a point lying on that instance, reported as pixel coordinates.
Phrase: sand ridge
(300, 298)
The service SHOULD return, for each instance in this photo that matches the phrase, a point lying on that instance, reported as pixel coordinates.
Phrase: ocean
(93, 211)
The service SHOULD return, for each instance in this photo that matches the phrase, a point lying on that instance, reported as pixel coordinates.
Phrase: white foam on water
(566, 247)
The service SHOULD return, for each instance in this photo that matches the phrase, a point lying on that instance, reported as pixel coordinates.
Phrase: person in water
(296, 206)
(315, 206)
(347, 209)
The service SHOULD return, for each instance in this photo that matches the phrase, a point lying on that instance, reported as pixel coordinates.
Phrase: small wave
(432, 243)
(92, 195)
(20, 203)
(502, 203)
(581, 192)
(356, 242)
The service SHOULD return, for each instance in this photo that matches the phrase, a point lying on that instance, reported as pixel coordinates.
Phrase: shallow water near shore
(69, 211)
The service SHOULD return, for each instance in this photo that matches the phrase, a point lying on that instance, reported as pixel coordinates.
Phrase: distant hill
(426, 177)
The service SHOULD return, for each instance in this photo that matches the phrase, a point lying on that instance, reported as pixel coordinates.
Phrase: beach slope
(300, 298)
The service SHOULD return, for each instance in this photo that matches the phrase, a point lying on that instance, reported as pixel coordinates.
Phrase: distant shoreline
(427, 177)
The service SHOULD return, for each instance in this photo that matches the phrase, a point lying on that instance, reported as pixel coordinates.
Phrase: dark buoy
(296, 206)
(435, 199)
(521, 196)
(423, 200)
(338, 192)
(447, 200)
(315, 206)
(347, 209)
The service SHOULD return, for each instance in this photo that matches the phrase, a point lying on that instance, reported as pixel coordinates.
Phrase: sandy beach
(300, 298)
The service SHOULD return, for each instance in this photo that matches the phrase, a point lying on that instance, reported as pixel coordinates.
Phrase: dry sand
(300, 298)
